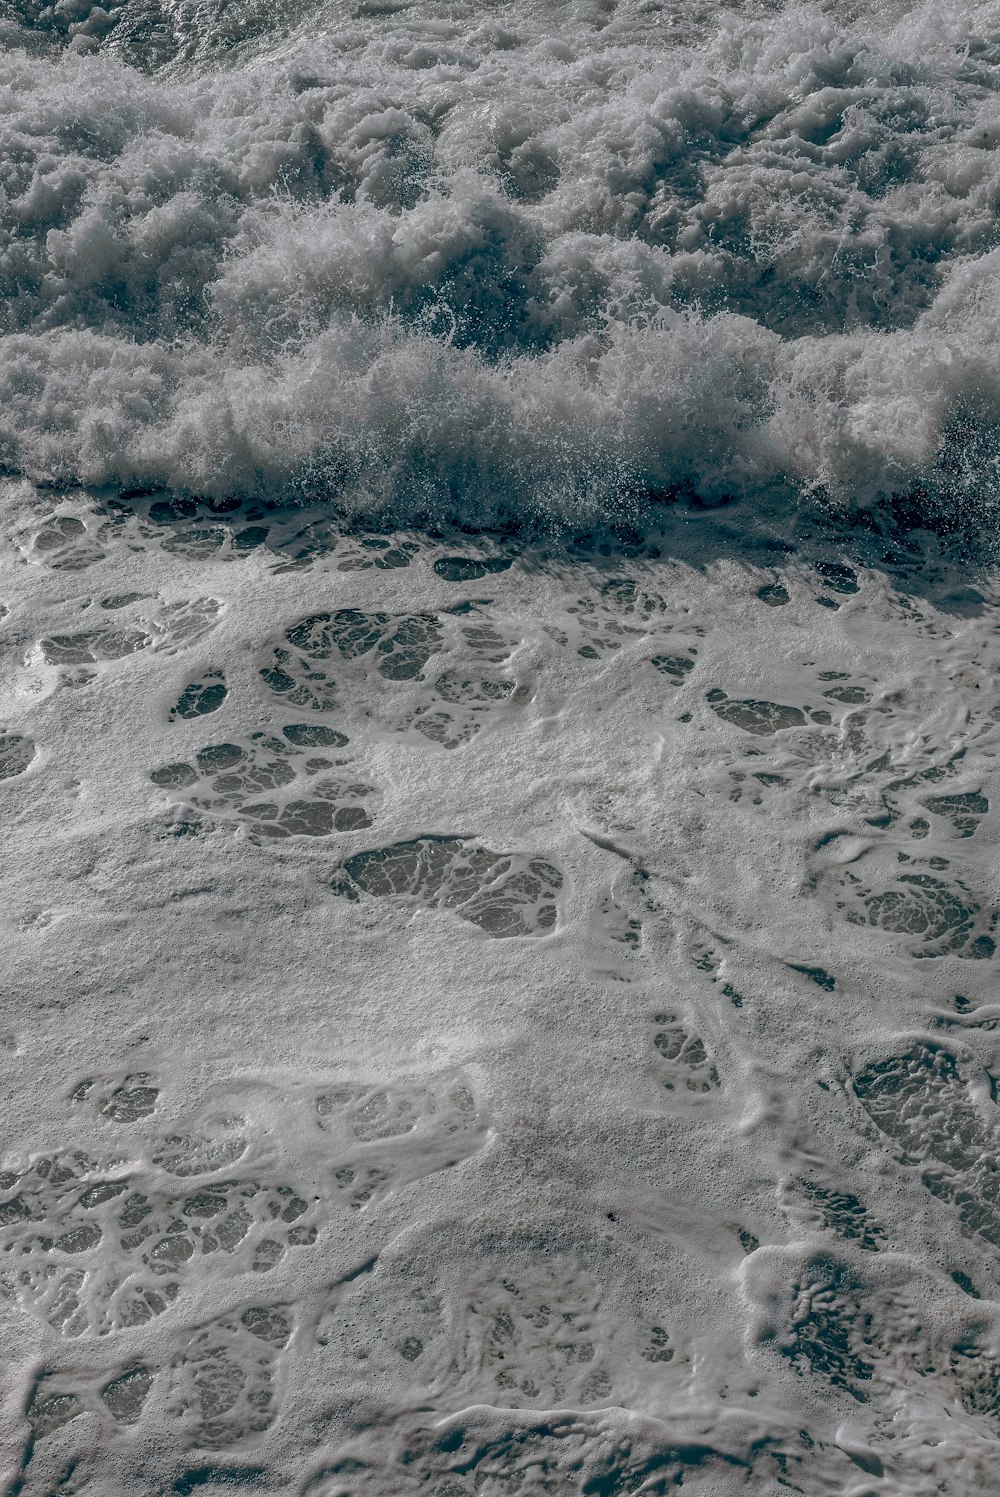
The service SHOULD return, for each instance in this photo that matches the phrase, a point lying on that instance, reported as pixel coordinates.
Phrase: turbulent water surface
(498, 741)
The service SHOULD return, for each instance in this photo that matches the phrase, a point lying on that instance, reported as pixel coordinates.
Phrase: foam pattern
(505, 894)
(957, 1152)
(328, 660)
(498, 748)
(601, 1092)
(91, 1248)
(269, 786)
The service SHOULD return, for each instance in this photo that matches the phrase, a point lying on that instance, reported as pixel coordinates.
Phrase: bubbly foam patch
(544, 265)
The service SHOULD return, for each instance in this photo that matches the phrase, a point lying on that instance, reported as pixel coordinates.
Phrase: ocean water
(498, 748)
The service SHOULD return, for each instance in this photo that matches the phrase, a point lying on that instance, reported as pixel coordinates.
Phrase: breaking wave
(502, 264)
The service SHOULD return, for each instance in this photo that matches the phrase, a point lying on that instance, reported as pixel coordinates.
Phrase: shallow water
(498, 742)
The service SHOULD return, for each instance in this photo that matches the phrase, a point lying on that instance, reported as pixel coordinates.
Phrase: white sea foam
(533, 263)
(479, 1017)
(514, 1015)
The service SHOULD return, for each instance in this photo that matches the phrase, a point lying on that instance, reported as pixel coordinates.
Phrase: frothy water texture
(498, 742)
(515, 261)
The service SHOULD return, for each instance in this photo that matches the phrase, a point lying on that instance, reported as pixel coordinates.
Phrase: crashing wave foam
(452, 267)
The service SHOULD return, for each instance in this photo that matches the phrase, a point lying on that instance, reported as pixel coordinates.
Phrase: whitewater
(499, 612)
